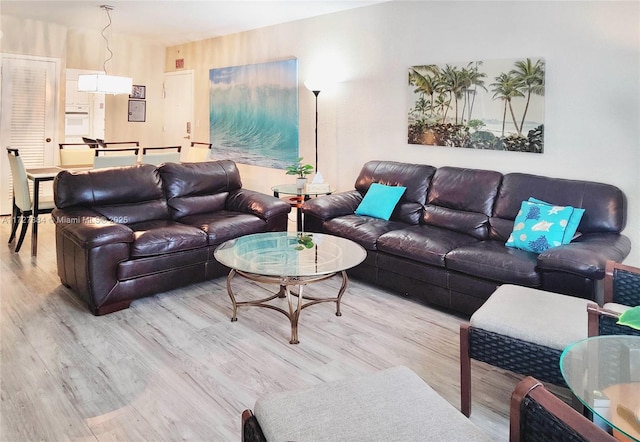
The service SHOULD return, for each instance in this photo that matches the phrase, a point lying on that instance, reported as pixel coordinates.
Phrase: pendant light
(104, 83)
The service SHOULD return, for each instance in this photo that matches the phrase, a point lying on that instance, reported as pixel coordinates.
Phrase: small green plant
(299, 169)
(305, 241)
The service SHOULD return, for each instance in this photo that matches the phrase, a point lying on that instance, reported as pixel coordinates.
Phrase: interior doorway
(28, 121)
(178, 109)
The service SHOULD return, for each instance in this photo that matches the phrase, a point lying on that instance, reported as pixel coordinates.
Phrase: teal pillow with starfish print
(538, 227)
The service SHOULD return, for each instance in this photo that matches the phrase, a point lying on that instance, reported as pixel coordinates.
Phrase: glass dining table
(603, 372)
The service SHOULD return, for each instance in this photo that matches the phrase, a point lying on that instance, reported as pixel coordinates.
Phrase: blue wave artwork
(253, 113)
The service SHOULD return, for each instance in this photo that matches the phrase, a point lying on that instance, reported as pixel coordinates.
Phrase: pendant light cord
(107, 8)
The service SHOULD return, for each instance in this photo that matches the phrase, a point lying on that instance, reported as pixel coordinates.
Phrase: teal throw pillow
(380, 200)
(572, 225)
(538, 227)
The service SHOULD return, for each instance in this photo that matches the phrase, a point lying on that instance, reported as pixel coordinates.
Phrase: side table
(297, 197)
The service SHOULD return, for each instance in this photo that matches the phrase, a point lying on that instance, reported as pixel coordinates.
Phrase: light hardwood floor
(174, 367)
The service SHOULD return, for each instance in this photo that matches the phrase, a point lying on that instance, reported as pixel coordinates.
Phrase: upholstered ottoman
(523, 330)
(390, 405)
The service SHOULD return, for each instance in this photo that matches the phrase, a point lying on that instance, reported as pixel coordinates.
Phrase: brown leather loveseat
(129, 232)
(445, 240)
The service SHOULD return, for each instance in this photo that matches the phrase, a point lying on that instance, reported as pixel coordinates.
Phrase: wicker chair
(522, 330)
(538, 415)
(621, 292)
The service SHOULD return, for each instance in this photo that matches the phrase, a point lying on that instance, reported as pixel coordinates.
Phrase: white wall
(592, 110)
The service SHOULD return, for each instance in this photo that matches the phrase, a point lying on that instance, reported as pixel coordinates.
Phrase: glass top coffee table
(604, 374)
(289, 260)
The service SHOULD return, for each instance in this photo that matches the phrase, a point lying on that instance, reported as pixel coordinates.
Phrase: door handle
(188, 137)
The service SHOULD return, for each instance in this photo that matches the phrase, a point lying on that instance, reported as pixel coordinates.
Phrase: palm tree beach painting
(253, 113)
(494, 105)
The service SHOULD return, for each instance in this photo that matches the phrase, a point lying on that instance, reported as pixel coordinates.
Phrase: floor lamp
(316, 91)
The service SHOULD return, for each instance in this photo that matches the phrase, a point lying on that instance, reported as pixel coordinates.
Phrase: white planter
(300, 183)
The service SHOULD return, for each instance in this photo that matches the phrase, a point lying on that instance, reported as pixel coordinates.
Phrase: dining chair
(536, 414)
(109, 144)
(22, 203)
(621, 292)
(76, 154)
(115, 157)
(159, 155)
(198, 152)
(93, 143)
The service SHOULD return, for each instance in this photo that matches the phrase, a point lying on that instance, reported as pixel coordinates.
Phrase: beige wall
(592, 108)
(140, 59)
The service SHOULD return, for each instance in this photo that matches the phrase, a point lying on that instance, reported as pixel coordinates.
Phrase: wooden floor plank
(174, 366)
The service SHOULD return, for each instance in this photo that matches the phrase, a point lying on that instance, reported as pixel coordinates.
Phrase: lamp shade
(313, 85)
(104, 84)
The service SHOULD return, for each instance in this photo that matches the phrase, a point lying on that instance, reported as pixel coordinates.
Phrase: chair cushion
(532, 315)
(390, 405)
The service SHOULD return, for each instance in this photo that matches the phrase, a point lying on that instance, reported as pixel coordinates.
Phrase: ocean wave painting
(253, 113)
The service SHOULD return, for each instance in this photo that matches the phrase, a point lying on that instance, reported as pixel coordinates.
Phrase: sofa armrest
(256, 203)
(334, 205)
(88, 229)
(587, 255)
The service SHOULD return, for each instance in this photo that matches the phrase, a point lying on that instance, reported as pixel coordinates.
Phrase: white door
(29, 97)
(178, 109)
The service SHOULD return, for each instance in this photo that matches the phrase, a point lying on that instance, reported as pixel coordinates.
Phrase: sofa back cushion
(124, 195)
(194, 188)
(415, 177)
(462, 200)
(604, 204)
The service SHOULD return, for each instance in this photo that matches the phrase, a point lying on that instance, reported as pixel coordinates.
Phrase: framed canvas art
(493, 105)
(253, 112)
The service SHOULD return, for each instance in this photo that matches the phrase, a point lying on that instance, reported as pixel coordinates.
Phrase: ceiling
(175, 22)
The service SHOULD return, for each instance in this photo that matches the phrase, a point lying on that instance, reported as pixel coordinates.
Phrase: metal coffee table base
(286, 283)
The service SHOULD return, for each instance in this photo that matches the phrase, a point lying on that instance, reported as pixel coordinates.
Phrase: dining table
(40, 175)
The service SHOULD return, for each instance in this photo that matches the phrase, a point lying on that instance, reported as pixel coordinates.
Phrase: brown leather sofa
(129, 232)
(445, 241)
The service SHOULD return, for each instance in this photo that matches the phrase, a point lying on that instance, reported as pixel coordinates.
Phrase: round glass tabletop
(290, 254)
(604, 373)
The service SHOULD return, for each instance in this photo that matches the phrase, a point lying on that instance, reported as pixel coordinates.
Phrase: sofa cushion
(470, 190)
(492, 260)
(462, 200)
(194, 188)
(415, 177)
(604, 204)
(164, 236)
(122, 194)
(469, 223)
(361, 229)
(380, 200)
(539, 226)
(223, 225)
(423, 243)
